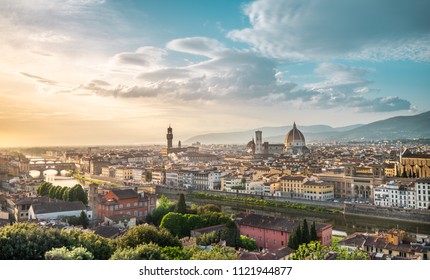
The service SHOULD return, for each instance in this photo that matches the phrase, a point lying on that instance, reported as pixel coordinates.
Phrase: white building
(228, 182)
(422, 189)
(395, 195)
(137, 174)
(158, 177)
(172, 178)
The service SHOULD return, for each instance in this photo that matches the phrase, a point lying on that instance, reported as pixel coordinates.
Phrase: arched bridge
(41, 167)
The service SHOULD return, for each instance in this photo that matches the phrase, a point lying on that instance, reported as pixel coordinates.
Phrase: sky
(102, 72)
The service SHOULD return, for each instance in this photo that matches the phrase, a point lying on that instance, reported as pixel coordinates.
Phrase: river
(340, 222)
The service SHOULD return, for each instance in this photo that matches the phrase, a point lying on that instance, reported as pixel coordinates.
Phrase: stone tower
(169, 137)
(93, 199)
(258, 142)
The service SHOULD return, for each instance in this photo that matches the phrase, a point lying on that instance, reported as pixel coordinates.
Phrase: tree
(25, 241)
(208, 208)
(231, 235)
(78, 253)
(193, 222)
(313, 233)
(248, 243)
(207, 239)
(311, 251)
(149, 251)
(176, 223)
(315, 251)
(101, 247)
(305, 232)
(293, 243)
(147, 234)
(66, 194)
(83, 219)
(181, 207)
(217, 253)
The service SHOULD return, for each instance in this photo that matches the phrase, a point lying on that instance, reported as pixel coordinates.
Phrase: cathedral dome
(294, 138)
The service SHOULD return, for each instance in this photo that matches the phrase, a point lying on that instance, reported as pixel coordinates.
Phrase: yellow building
(414, 165)
(318, 190)
(292, 186)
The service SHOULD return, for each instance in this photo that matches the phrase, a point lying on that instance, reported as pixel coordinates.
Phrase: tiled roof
(267, 222)
(61, 206)
(125, 194)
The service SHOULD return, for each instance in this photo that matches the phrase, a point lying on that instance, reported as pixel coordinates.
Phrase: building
(395, 195)
(126, 201)
(172, 178)
(295, 143)
(58, 210)
(292, 186)
(395, 244)
(207, 180)
(318, 190)
(273, 232)
(414, 165)
(422, 188)
(158, 176)
(123, 173)
(356, 182)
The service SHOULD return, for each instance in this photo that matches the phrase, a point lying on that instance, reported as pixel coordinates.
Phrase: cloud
(39, 79)
(144, 56)
(232, 75)
(197, 45)
(365, 30)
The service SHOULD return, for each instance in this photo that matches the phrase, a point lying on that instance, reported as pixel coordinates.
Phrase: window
(141, 203)
(128, 205)
(135, 213)
(282, 243)
(120, 206)
(135, 204)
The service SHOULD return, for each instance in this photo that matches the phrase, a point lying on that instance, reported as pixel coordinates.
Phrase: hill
(401, 127)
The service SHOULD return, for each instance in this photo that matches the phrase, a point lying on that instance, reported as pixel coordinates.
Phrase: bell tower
(169, 137)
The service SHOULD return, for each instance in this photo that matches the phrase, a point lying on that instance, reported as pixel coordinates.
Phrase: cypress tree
(314, 236)
(305, 232)
(181, 207)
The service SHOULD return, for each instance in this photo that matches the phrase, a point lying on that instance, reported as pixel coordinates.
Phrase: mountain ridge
(399, 127)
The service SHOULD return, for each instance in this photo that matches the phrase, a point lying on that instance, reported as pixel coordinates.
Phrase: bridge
(58, 166)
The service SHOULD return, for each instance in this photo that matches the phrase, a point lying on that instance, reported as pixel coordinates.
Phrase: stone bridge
(58, 166)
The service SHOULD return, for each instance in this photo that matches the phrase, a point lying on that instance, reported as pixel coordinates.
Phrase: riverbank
(262, 202)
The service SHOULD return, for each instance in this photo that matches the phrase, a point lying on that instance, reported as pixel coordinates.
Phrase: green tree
(27, 241)
(176, 223)
(193, 222)
(147, 234)
(176, 253)
(313, 232)
(149, 251)
(231, 234)
(216, 253)
(66, 194)
(293, 243)
(83, 219)
(78, 253)
(181, 206)
(248, 243)
(207, 239)
(208, 208)
(101, 247)
(306, 238)
(215, 218)
(315, 251)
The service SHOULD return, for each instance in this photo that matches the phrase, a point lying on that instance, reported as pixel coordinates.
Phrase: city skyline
(100, 72)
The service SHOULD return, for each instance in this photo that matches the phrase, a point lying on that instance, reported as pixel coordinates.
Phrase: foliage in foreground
(315, 251)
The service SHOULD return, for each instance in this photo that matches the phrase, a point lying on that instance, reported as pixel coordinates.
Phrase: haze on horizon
(97, 72)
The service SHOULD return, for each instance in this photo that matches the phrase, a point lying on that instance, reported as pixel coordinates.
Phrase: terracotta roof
(268, 222)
